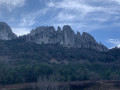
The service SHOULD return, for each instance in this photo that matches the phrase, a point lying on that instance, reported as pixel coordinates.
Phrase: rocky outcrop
(48, 35)
(65, 37)
(6, 32)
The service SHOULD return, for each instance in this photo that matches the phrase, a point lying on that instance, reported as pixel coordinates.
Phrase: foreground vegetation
(23, 62)
(79, 85)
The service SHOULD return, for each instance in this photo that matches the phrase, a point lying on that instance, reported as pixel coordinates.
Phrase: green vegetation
(22, 62)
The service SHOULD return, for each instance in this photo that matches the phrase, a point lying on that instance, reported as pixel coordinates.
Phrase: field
(80, 85)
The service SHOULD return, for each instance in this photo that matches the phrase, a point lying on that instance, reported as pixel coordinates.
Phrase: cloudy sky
(101, 18)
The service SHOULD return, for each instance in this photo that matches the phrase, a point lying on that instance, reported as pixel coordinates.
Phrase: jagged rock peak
(67, 28)
(88, 36)
(6, 32)
(85, 34)
(42, 29)
(59, 29)
(78, 33)
(65, 37)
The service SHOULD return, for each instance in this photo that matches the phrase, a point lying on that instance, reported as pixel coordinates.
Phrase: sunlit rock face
(6, 32)
(48, 35)
(65, 37)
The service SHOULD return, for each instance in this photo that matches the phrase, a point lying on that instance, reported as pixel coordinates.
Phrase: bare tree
(51, 83)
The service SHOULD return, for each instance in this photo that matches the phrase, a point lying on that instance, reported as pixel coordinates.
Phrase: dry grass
(80, 85)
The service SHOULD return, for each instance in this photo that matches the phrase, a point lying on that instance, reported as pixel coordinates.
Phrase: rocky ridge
(48, 35)
(6, 32)
(65, 37)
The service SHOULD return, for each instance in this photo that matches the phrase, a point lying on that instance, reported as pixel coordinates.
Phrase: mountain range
(62, 55)
(48, 35)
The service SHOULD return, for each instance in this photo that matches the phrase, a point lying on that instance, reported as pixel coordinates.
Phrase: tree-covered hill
(22, 62)
(27, 52)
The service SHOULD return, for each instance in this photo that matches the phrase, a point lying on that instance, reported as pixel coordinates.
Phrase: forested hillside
(22, 62)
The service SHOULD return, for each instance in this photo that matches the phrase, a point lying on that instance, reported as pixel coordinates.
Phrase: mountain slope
(20, 51)
(22, 62)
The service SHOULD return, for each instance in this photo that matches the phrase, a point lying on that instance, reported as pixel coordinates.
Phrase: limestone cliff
(6, 32)
(65, 37)
(48, 35)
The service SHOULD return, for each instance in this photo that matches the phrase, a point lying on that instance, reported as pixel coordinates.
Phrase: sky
(100, 18)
